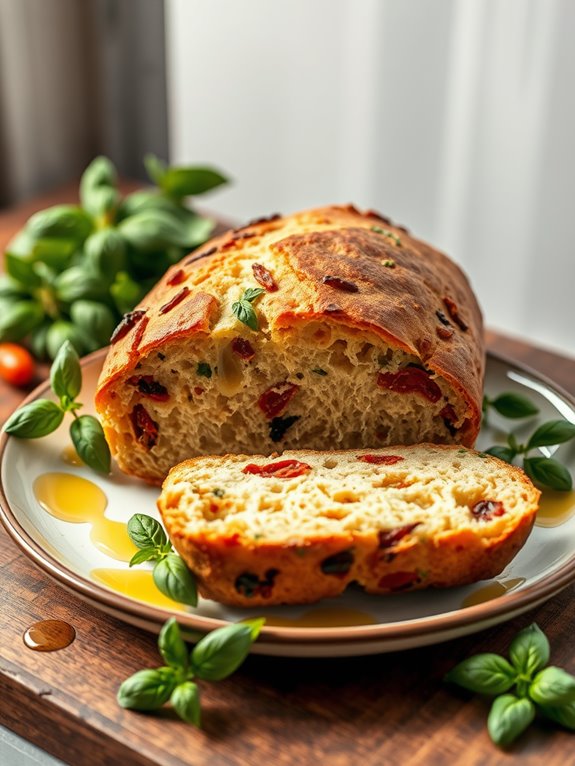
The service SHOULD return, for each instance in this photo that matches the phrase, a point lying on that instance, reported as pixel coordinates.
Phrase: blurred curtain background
(78, 78)
(455, 117)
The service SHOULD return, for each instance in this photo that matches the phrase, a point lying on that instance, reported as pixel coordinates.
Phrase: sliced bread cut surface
(301, 526)
(329, 327)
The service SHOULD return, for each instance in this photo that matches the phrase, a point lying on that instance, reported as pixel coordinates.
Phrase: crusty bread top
(408, 293)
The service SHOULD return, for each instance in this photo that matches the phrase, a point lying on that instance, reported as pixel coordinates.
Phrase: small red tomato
(16, 364)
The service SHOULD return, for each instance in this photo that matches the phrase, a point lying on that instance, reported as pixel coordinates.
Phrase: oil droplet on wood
(70, 456)
(555, 508)
(323, 617)
(135, 583)
(80, 501)
(493, 590)
(49, 635)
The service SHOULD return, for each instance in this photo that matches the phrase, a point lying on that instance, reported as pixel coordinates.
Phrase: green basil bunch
(544, 471)
(74, 270)
(42, 416)
(549, 690)
(215, 657)
(171, 575)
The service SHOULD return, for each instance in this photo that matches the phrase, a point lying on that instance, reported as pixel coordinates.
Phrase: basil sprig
(544, 471)
(523, 685)
(43, 416)
(215, 657)
(171, 575)
(244, 310)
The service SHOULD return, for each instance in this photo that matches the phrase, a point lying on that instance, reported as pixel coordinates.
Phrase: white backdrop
(455, 117)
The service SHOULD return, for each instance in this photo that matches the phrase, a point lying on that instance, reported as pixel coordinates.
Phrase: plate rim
(123, 605)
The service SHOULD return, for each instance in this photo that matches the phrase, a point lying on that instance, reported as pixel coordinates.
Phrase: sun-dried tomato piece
(445, 333)
(380, 459)
(178, 298)
(243, 348)
(145, 429)
(149, 387)
(177, 278)
(398, 580)
(283, 469)
(274, 401)
(264, 277)
(448, 413)
(453, 311)
(410, 380)
(487, 509)
(128, 321)
(388, 537)
(248, 584)
(339, 564)
(340, 284)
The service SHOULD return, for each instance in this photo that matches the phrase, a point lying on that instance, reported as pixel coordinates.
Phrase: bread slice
(365, 336)
(296, 528)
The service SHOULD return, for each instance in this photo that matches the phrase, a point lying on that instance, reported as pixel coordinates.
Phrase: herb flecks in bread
(302, 526)
(305, 312)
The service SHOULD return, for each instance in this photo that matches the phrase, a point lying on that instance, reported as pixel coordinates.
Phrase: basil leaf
(155, 168)
(512, 405)
(552, 686)
(19, 319)
(147, 689)
(503, 453)
(172, 646)
(37, 340)
(548, 472)
(61, 221)
(65, 373)
(21, 270)
(529, 650)
(126, 292)
(145, 199)
(34, 420)
(61, 332)
(245, 312)
(10, 288)
(218, 654)
(553, 432)
(105, 252)
(252, 293)
(204, 370)
(508, 718)
(146, 532)
(184, 182)
(144, 554)
(79, 282)
(561, 714)
(185, 700)
(94, 319)
(173, 578)
(90, 443)
(153, 230)
(100, 176)
(484, 673)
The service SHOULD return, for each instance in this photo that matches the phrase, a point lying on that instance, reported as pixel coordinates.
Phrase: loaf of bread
(295, 528)
(329, 328)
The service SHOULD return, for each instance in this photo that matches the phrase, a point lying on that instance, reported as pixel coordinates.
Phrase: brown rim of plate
(512, 603)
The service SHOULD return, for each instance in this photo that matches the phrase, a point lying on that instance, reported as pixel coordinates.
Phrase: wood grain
(383, 710)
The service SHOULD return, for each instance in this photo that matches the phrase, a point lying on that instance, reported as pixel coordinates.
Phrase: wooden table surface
(375, 711)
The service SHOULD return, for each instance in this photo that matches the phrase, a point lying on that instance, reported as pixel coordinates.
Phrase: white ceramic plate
(352, 624)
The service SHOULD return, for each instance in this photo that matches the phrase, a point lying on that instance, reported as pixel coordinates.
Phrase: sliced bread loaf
(295, 528)
(330, 326)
